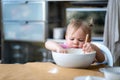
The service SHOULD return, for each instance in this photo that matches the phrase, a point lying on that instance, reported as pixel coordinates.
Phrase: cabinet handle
(26, 2)
(26, 22)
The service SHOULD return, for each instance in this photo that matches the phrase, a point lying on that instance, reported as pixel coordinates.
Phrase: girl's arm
(99, 55)
(54, 46)
(88, 47)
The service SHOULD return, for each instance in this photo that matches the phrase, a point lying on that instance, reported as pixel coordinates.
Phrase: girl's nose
(75, 41)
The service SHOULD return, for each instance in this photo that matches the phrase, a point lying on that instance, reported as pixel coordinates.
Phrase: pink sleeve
(63, 45)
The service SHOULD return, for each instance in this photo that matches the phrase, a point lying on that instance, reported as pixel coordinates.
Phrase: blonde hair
(77, 23)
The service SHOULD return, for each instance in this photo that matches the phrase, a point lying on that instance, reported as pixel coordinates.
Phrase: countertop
(45, 71)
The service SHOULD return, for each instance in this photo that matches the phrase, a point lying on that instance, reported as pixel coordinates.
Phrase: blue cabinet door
(23, 10)
(20, 31)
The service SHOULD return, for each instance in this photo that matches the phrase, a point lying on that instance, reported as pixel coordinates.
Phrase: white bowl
(112, 73)
(88, 78)
(75, 58)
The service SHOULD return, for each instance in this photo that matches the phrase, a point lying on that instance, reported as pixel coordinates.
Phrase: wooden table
(44, 71)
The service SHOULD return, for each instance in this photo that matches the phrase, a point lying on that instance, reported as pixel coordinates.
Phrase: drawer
(23, 10)
(20, 31)
(23, 0)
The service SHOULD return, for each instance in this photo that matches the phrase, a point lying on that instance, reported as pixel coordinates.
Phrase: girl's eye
(81, 40)
(71, 39)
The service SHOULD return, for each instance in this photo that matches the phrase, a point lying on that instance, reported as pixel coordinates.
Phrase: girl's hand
(88, 47)
(61, 50)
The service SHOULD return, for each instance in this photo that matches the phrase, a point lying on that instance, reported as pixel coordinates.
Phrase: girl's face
(76, 39)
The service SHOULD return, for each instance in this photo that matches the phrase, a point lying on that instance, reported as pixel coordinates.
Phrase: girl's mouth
(75, 47)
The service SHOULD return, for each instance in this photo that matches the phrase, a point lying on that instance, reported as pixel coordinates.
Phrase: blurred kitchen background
(26, 24)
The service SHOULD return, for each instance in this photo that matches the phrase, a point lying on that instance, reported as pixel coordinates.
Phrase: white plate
(88, 78)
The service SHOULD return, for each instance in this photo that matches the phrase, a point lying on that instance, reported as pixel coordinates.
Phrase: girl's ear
(65, 36)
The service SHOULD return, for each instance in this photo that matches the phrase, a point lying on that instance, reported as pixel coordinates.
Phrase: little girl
(75, 38)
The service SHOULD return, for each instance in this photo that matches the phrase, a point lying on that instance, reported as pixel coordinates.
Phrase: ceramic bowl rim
(109, 71)
(91, 53)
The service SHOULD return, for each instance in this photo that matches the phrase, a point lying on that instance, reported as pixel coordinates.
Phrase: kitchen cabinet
(20, 31)
(24, 24)
(24, 11)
